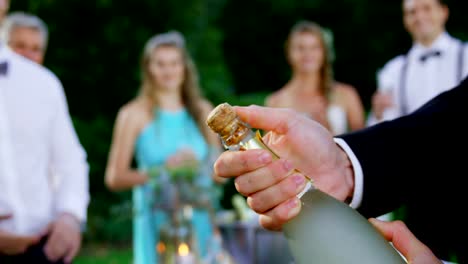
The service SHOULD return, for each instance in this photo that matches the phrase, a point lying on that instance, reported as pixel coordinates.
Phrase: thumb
(397, 233)
(267, 118)
(405, 242)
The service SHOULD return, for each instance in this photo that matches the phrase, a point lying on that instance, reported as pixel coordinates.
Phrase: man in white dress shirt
(45, 217)
(26, 34)
(436, 62)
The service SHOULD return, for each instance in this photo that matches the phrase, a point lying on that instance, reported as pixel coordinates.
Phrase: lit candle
(184, 256)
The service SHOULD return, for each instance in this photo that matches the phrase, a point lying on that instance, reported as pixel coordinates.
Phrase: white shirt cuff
(358, 175)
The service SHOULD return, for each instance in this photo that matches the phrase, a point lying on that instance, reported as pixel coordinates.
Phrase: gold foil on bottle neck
(224, 121)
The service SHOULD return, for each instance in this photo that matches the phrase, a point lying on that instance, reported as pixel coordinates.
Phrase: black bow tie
(429, 54)
(3, 68)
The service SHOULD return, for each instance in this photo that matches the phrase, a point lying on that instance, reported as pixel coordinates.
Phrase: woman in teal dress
(163, 129)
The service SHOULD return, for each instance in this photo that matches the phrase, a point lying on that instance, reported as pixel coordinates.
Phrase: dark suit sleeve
(419, 158)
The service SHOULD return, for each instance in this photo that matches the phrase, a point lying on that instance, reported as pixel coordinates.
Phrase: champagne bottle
(326, 231)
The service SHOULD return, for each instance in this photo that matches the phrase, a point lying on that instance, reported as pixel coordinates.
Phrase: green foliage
(97, 254)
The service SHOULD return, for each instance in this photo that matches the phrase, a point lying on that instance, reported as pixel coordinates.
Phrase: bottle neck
(236, 133)
(239, 140)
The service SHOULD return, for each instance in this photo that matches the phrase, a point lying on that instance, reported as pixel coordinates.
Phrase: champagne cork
(221, 118)
(224, 121)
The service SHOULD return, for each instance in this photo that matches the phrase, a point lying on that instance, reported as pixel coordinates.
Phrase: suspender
(402, 86)
(461, 60)
(404, 71)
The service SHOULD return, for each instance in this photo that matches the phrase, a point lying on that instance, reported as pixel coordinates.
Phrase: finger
(277, 217)
(267, 118)
(405, 242)
(264, 177)
(396, 232)
(72, 252)
(188, 152)
(235, 163)
(270, 198)
(53, 248)
(49, 250)
(174, 160)
(5, 216)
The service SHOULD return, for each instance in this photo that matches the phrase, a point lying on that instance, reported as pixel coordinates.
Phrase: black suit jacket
(421, 160)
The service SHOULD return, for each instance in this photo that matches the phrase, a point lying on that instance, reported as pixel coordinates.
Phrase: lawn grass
(103, 254)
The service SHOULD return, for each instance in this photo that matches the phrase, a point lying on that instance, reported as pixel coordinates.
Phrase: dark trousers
(34, 254)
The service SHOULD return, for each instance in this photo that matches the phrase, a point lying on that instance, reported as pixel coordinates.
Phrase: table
(249, 243)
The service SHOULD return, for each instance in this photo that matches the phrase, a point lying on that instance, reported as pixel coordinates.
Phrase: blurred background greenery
(95, 48)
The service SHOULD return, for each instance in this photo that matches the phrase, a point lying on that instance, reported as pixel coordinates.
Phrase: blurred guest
(4, 7)
(163, 127)
(312, 89)
(26, 34)
(45, 218)
(435, 63)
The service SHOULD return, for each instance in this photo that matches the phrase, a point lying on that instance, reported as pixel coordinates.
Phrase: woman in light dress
(312, 89)
(163, 129)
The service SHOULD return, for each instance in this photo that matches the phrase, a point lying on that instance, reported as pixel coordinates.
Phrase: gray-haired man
(41, 217)
(26, 34)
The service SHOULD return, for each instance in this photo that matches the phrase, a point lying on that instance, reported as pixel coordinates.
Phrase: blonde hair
(325, 39)
(191, 95)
